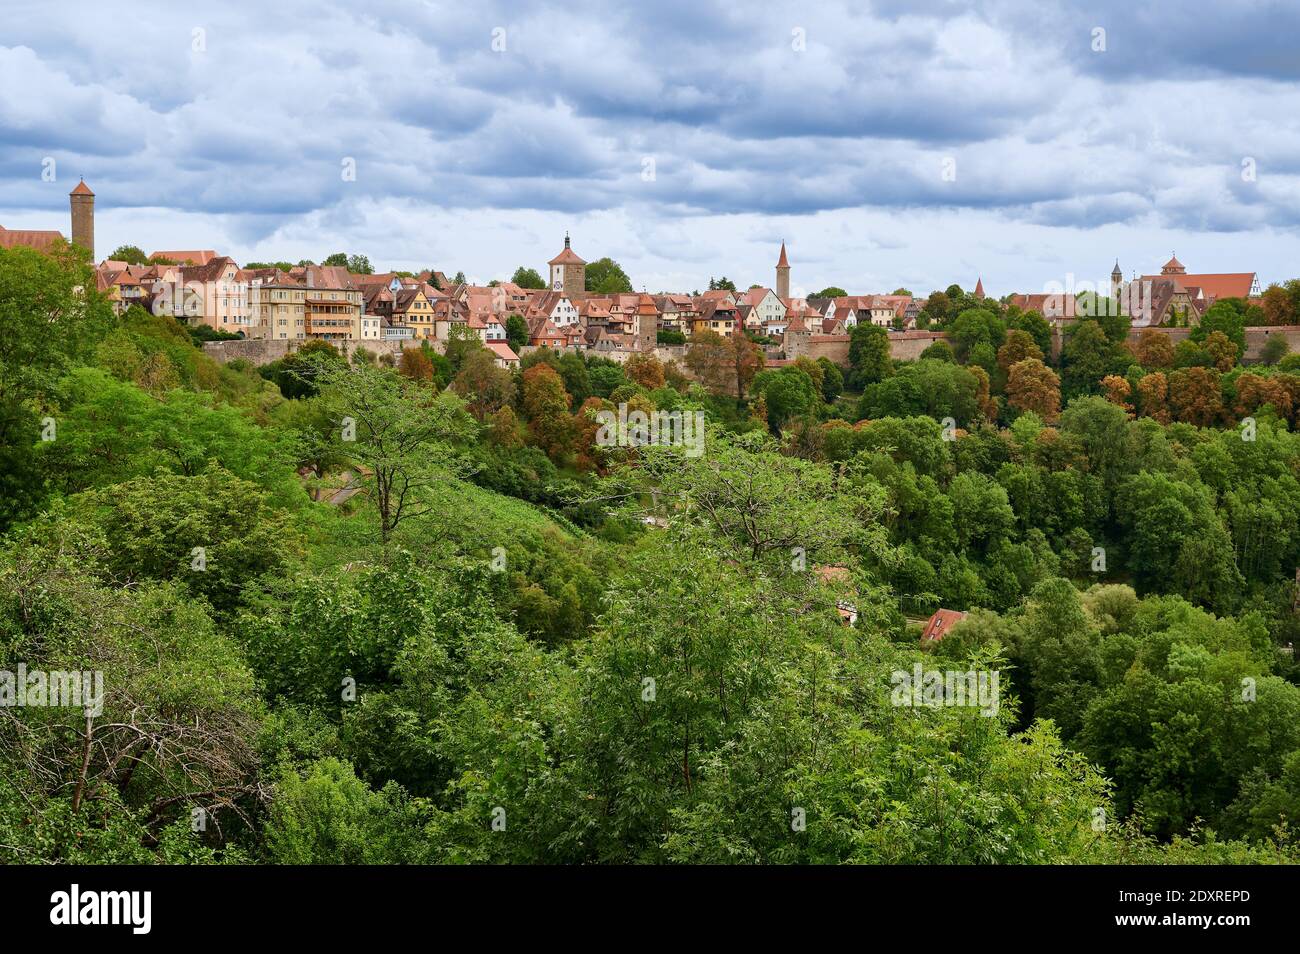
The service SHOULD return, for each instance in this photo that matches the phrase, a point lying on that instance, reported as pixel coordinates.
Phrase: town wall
(260, 351)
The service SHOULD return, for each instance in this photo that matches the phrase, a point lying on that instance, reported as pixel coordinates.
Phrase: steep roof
(198, 257)
(209, 271)
(567, 257)
(1216, 285)
(938, 625)
(81, 189)
(782, 262)
(31, 238)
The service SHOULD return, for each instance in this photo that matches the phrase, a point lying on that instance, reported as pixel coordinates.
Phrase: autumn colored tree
(1018, 346)
(415, 364)
(1153, 396)
(1154, 350)
(988, 405)
(1254, 391)
(1278, 306)
(646, 370)
(485, 387)
(503, 428)
(1195, 396)
(590, 456)
(1116, 390)
(1222, 350)
(1033, 386)
(724, 365)
(546, 405)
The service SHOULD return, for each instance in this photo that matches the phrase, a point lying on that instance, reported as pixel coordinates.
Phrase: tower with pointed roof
(979, 287)
(568, 272)
(1173, 267)
(783, 275)
(82, 201)
(1116, 282)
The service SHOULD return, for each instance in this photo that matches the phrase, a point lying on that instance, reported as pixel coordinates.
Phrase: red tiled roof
(938, 625)
(1215, 285)
(502, 350)
(567, 257)
(782, 262)
(81, 189)
(199, 257)
(31, 238)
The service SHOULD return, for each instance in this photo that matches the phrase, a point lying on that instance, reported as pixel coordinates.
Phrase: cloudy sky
(901, 142)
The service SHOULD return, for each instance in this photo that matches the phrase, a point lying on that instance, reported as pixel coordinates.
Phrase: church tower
(1116, 282)
(83, 218)
(783, 275)
(568, 272)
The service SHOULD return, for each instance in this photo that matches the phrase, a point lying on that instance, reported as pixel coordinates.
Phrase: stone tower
(568, 272)
(783, 275)
(83, 217)
(1116, 282)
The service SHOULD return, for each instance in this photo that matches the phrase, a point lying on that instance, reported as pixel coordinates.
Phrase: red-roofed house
(192, 257)
(505, 356)
(938, 625)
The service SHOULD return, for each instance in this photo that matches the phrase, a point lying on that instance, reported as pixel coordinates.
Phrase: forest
(416, 612)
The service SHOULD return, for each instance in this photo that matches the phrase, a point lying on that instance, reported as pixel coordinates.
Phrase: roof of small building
(196, 256)
(940, 623)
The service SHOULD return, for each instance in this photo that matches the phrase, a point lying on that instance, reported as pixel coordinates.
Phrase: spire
(566, 238)
(81, 189)
(783, 262)
(979, 287)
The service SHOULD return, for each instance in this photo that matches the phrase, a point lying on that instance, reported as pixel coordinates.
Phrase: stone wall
(260, 351)
(835, 348)
(1255, 338)
(908, 345)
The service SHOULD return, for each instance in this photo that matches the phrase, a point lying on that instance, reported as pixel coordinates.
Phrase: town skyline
(892, 148)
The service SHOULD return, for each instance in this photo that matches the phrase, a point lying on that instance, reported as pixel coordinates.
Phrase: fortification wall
(260, 351)
(908, 345)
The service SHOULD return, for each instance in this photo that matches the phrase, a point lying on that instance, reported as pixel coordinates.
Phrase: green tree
(527, 278)
(606, 277)
(131, 254)
(869, 360)
(516, 332)
(402, 435)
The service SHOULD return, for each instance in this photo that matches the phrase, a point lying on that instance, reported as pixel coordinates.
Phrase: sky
(899, 143)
